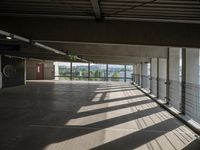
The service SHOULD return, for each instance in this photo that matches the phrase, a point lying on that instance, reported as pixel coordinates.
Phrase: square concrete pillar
(154, 76)
(145, 75)
(56, 70)
(140, 74)
(192, 84)
(162, 78)
(175, 89)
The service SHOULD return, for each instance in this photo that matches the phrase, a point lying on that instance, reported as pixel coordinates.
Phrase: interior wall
(31, 69)
(12, 71)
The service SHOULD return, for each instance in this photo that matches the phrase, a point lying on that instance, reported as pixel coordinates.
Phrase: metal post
(124, 73)
(88, 71)
(183, 81)
(167, 78)
(157, 94)
(70, 70)
(106, 72)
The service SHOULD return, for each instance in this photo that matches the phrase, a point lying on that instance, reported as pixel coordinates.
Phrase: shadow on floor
(46, 116)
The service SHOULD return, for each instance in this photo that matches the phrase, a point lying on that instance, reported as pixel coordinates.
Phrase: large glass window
(80, 71)
(62, 70)
(129, 73)
(116, 72)
(98, 72)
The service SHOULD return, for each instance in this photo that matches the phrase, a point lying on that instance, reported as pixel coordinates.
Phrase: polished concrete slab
(80, 115)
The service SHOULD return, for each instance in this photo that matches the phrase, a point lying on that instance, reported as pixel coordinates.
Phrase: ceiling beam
(96, 9)
(115, 32)
(114, 50)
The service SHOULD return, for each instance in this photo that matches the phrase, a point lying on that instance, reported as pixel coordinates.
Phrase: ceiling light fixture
(9, 37)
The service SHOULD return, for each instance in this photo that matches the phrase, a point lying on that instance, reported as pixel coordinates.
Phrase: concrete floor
(77, 115)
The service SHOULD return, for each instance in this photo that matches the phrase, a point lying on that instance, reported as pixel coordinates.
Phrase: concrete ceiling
(149, 10)
(102, 31)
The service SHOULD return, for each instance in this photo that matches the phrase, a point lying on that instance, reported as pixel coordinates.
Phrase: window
(116, 72)
(129, 73)
(80, 71)
(98, 72)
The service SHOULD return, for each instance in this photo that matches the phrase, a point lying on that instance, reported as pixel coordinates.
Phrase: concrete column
(167, 78)
(162, 78)
(71, 71)
(0, 74)
(106, 72)
(145, 75)
(148, 67)
(137, 74)
(25, 72)
(136, 77)
(56, 71)
(124, 73)
(183, 80)
(158, 91)
(133, 74)
(150, 83)
(141, 74)
(154, 71)
(175, 77)
(192, 90)
(88, 71)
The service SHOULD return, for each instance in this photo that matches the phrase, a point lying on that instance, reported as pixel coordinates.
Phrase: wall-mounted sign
(9, 47)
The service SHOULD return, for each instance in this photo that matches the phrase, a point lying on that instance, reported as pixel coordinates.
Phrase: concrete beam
(99, 49)
(108, 31)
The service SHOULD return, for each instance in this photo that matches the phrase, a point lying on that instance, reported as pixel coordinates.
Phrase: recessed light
(9, 37)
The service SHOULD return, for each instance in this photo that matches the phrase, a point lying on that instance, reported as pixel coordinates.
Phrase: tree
(115, 76)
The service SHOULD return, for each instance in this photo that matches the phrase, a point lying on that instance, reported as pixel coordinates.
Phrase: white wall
(0, 74)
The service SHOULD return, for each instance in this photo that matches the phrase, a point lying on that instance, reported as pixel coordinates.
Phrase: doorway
(40, 72)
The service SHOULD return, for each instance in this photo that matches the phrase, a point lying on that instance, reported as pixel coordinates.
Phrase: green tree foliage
(115, 76)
